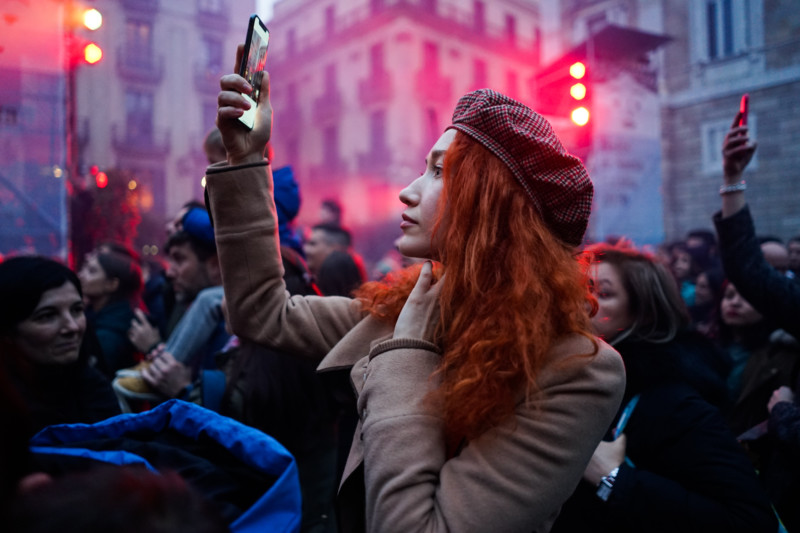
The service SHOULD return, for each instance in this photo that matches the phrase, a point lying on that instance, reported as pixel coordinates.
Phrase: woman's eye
(437, 172)
(44, 317)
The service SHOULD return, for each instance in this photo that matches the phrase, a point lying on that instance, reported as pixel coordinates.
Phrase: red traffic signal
(578, 92)
(100, 178)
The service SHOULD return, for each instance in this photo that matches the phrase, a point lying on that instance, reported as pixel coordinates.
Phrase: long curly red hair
(511, 290)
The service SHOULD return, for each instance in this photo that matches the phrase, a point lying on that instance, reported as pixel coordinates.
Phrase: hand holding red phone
(737, 150)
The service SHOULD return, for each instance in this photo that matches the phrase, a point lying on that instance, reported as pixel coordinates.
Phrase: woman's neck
(99, 302)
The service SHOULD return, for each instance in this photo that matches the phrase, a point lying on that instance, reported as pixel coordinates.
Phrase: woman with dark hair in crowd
(671, 464)
(42, 326)
(707, 296)
(481, 391)
(112, 285)
(764, 358)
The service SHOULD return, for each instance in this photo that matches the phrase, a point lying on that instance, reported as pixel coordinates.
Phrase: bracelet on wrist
(735, 187)
(607, 484)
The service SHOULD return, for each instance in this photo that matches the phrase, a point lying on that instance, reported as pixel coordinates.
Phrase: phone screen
(254, 61)
(743, 108)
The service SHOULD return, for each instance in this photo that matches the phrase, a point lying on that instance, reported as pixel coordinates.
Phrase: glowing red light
(92, 53)
(577, 70)
(578, 91)
(580, 116)
(93, 170)
(101, 180)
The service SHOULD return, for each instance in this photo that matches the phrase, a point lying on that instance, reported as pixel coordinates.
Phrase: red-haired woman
(480, 390)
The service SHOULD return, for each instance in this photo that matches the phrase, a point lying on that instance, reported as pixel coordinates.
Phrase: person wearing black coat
(670, 462)
(42, 349)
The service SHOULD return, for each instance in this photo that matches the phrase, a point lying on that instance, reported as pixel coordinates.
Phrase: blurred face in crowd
(174, 225)
(422, 203)
(681, 264)
(736, 311)
(52, 335)
(317, 248)
(794, 255)
(95, 282)
(188, 274)
(776, 255)
(614, 315)
(702, 290)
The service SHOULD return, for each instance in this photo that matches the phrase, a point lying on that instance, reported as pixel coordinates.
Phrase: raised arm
(239, 194)
(774, 295)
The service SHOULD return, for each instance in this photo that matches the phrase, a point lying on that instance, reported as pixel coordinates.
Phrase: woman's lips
(407, 222)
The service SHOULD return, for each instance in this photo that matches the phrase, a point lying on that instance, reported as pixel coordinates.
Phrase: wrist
(245, 160)
(606, 485)
(733, 188)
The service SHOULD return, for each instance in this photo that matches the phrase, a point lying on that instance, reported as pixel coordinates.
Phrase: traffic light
(92, 20)
(100, 178)
(83, 50)
(563, 90)
(578, 91)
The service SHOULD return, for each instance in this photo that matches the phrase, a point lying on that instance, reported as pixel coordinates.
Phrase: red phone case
(744, 106)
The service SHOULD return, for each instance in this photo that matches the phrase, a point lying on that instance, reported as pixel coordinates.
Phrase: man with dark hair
(702, 246)
(325, 239)
(330, 211)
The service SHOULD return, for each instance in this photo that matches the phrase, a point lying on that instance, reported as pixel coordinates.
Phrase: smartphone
(254, 60)
(744, 107)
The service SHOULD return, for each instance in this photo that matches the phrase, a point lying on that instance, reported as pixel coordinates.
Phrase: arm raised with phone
(770, 292)
(240, 199)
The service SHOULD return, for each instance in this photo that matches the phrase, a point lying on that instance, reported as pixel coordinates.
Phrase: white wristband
(736, 187)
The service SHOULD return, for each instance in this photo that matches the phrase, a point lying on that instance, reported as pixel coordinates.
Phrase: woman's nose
(409, 195)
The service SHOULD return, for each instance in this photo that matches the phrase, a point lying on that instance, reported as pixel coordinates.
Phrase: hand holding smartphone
(253, 63)
(744, 107)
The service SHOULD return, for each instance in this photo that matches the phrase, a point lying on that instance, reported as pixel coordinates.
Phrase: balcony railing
(459, 22)
(376, 89)
(154, 144)
(328, 107)
(141, 6)
(135, 65)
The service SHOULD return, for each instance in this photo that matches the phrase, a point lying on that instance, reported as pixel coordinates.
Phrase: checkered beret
(556, 182)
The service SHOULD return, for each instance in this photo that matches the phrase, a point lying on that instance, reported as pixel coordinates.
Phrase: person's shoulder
(586, 355)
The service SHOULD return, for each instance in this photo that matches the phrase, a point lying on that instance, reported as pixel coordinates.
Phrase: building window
(212, 53)
(430, 57)
(377, 130)
(432, 126)
(330, 146)
(292, 151)
(330, 77)
(376, 64)
(511, 29)
(480, 75)
(330, 21)
(138, 43)
(480, 17)
(719, 28)
(139, 114)
(291, 42)
(712, 135)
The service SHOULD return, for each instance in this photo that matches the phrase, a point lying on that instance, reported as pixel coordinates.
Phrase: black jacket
(689, 473)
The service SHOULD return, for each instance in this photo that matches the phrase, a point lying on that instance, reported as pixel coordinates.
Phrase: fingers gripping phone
(254, 60)
(744, 107)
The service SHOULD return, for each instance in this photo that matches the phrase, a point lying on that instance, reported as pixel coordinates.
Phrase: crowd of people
(502, 375)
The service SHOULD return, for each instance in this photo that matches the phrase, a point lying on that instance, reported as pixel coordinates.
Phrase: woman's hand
(737, 151)
(142, 334)
(781, 394)
(420, 314)
(243, 145)
(607, 457)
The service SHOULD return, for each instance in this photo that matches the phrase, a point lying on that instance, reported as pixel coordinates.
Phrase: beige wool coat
(512, 478)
